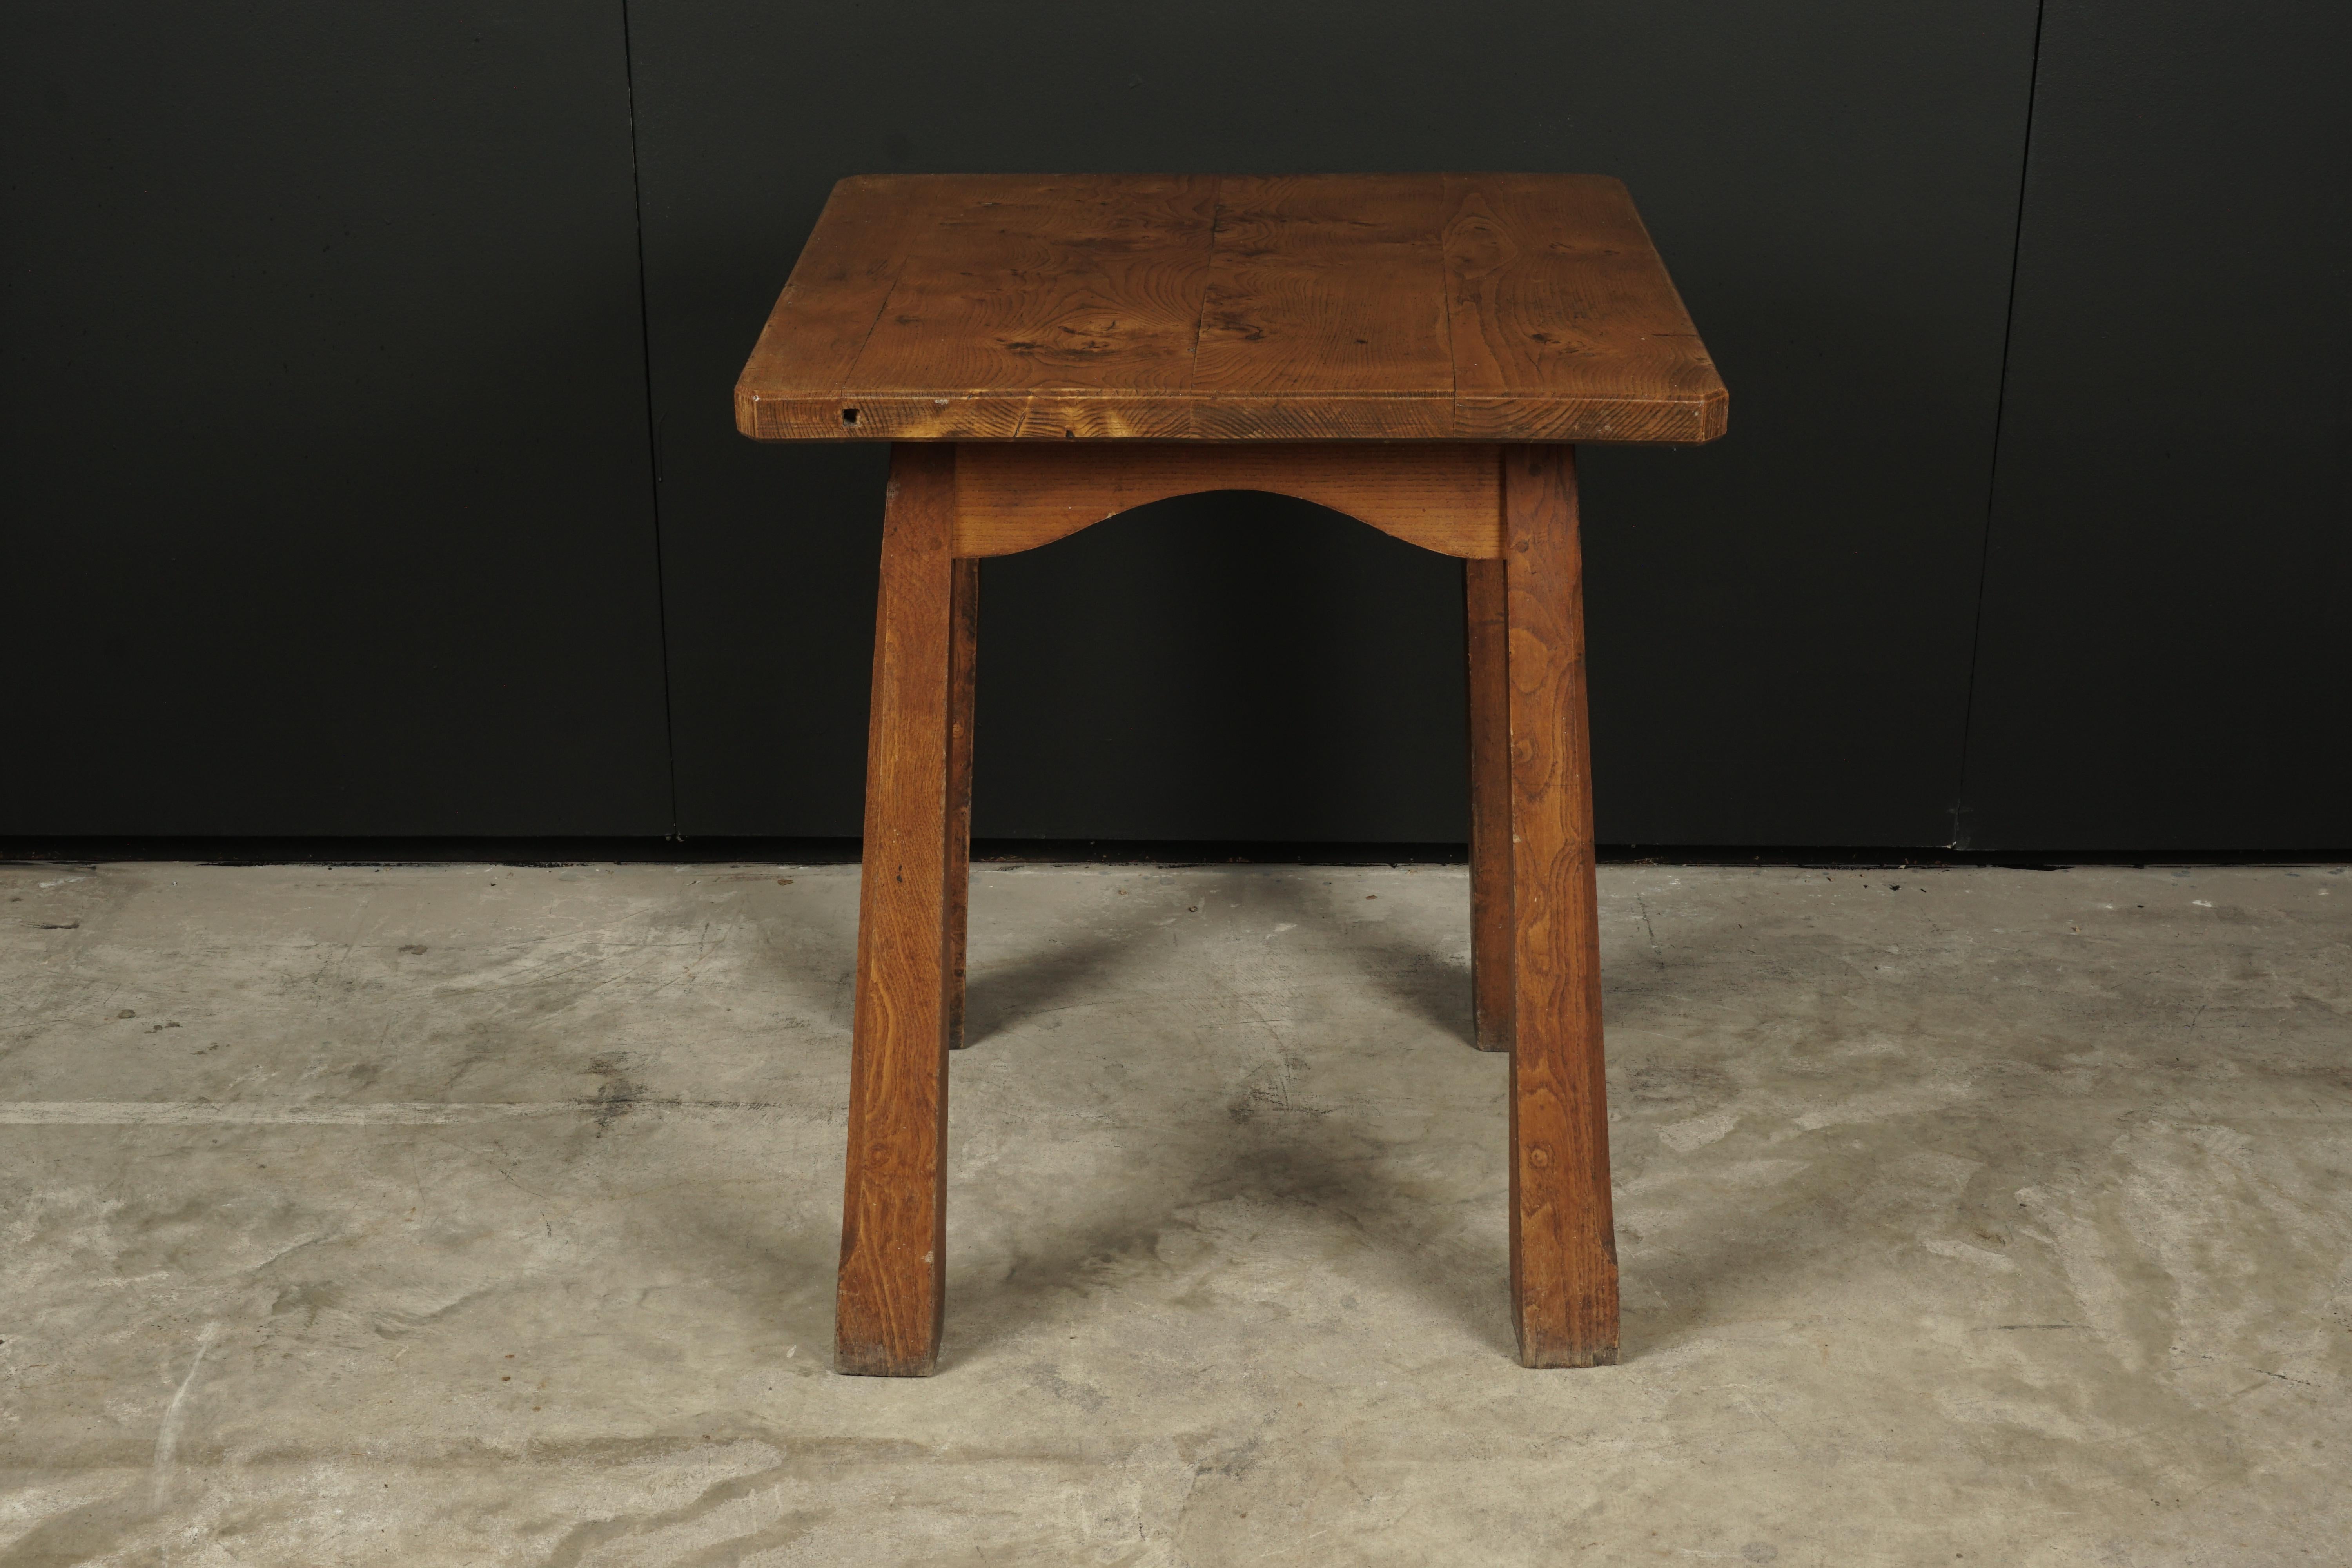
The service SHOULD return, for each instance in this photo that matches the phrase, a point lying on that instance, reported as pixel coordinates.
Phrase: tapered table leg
(963, 647)
(1563, 1240)
(1491, 991)
(893, 1251)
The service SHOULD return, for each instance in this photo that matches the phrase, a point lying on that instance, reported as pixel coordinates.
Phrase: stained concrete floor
(488, 1216)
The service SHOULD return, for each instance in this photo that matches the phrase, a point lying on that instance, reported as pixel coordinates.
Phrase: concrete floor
(488, 1216)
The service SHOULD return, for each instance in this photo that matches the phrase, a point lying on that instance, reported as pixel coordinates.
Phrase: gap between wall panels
(1961, 810)
(652, 424)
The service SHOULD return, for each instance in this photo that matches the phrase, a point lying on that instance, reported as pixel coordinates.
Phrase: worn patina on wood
(1014, 496)
(1195, 306)
(1412, 350)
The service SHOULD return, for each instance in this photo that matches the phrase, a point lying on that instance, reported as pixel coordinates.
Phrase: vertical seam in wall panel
(1961, 834)
(653, 427)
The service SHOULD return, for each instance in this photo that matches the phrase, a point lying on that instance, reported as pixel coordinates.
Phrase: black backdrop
(370, 467)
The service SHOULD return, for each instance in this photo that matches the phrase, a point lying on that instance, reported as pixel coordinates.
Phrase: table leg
(893, 1239)
(1563, 1243)
(963, 649)
(1491, 1000)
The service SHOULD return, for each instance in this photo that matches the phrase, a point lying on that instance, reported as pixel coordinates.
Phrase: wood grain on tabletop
(1563, 1242)
(1326, 310)
(893, 1239)
(1414, 307)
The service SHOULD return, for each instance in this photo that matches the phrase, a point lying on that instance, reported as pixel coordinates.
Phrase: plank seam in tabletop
(1446, 319)
(1216, 226)
(813, 257)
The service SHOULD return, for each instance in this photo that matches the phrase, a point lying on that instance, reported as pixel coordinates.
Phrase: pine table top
(1179, 307)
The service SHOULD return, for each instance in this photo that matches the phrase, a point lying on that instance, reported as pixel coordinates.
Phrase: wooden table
(1416, 350)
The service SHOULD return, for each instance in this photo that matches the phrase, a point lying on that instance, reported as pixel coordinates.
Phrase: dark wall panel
(2165, 656)
(1781, 623)
(1145, 673)
(327, 466)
